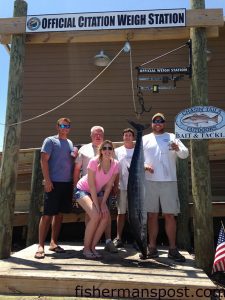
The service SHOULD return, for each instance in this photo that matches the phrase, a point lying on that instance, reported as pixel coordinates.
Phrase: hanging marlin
(135, 193)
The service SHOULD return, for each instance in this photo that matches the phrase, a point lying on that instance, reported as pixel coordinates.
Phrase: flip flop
(39, 255)
(96, 254)
(89, 255)
(57, 249)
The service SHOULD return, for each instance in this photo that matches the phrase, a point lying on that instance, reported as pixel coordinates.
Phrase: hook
(142, 103)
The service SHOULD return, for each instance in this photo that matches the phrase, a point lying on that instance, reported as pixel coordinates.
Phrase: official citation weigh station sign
(200, 122)
(107, 20)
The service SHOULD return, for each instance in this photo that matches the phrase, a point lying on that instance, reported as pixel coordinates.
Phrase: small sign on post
(200, 122)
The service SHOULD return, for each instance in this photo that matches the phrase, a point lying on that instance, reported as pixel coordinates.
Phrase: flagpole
(222, 226)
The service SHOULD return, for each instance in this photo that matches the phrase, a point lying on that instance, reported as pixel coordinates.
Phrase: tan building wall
(55, 72)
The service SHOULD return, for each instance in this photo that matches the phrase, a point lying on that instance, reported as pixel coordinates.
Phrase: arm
(45, 171)
(76, 173)
(115, 187)
(181, 151)
(108, 187)
(92, 187)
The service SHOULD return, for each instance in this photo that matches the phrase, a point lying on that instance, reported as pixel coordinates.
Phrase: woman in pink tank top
(92, 193)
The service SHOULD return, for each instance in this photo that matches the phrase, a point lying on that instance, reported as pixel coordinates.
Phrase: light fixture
(155, 88)
(101, 59)
(126, 47)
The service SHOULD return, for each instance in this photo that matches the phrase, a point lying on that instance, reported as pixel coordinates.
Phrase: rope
(71, 98)
(132, 82)
(163, 55)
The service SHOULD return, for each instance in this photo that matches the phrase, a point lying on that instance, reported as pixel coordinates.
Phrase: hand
(104, 208)
(48, 186)
(149, 168)
(97, 207)
(174, 146)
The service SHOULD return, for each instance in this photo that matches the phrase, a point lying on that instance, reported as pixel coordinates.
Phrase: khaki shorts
(164, 194)
(122, 203)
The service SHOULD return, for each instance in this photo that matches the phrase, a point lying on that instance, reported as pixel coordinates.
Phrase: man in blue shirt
(57, 168)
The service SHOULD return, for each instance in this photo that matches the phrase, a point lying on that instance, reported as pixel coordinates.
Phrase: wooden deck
(115, 275)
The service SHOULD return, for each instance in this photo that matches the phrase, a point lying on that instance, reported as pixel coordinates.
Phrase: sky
(38, 7)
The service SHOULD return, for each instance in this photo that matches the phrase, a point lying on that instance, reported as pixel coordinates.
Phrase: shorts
(79, 194)
(161, 193)
(59, 200)
(122, 203)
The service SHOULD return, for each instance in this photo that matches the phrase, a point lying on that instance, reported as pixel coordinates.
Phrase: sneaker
(152, 252)
(175, 255)
(118, 243)
(110, 247)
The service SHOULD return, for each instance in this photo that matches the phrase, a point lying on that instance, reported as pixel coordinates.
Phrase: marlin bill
(135, 193)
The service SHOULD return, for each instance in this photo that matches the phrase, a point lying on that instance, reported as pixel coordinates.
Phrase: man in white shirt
(124, 156)
(85, 153)
(161, 150)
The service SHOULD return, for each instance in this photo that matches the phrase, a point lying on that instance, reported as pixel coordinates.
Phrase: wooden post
(183, 230)
(201, 184)
(11, 146)
(36, 200)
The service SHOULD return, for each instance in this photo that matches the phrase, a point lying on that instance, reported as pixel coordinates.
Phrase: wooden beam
(8, 177)
(204, 17)
(14, 25)
(115, 35)
(36, 200)
(183, 233)
(111, 36)
(200, 169)
(194, 18)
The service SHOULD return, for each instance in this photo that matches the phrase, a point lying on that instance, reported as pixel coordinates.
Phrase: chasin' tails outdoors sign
(107, 20)
(200, 122)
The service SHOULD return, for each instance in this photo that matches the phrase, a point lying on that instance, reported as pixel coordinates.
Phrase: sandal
(57, 249)
(39, 255)
(88, 254)
(96, 254)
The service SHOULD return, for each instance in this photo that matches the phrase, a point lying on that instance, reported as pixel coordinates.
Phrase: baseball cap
(158, 115)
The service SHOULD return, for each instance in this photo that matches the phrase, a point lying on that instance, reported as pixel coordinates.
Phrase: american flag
(219, 260)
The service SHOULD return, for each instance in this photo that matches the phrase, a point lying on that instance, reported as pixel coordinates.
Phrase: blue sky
(72, 6)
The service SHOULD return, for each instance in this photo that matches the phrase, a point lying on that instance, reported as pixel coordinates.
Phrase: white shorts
(164, 194)
(122, 203)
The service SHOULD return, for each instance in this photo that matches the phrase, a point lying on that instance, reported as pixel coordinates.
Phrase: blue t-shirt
(60, 161)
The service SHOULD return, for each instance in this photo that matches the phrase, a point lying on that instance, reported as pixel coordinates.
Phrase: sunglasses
(158, 121)
(64, 126)
(107, 148)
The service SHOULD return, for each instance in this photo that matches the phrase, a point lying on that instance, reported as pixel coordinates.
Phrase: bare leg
(153, 228)
(43, 230)
(103, 223)
(171, 227)
(121, 218)
(108, 229)
(56, 225)
(94, 217)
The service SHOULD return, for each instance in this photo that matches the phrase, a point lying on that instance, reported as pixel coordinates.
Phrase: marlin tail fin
(138, 127)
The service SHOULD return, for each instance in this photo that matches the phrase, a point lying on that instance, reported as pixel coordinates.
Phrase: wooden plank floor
(115, 275)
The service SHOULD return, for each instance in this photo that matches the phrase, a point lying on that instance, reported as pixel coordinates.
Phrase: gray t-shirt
(60, 162)
(85, 154)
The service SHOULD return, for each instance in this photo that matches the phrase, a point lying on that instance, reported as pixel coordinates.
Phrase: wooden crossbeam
(209, 18)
